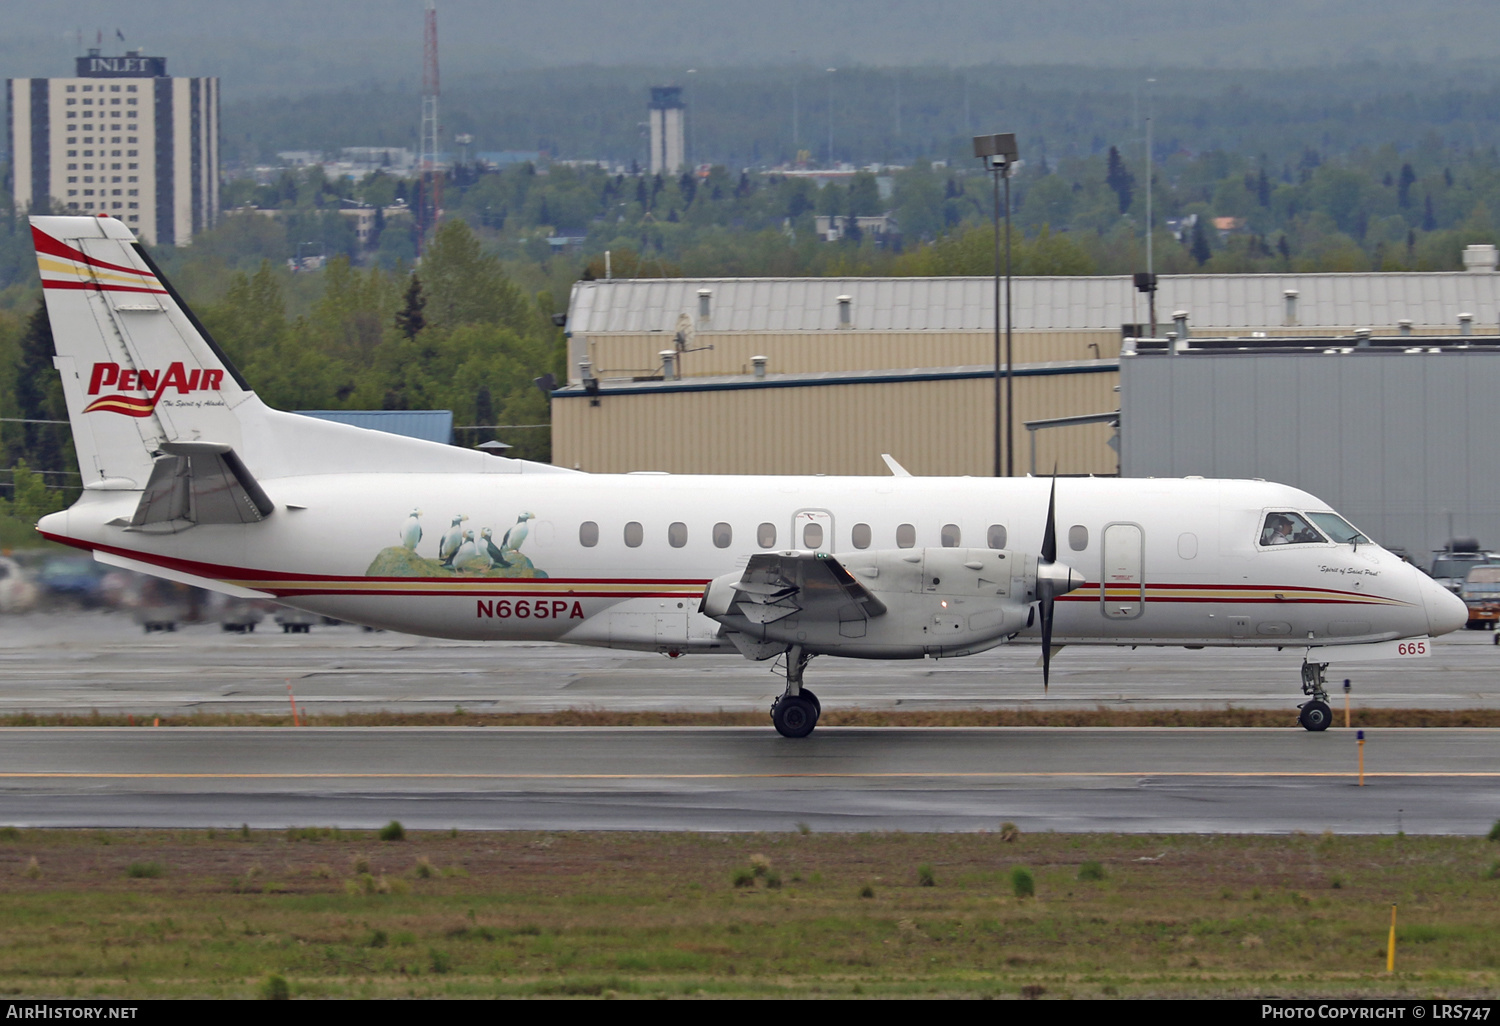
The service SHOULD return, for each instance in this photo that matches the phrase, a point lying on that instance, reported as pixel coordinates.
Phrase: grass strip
(831, 717)
(318, 912)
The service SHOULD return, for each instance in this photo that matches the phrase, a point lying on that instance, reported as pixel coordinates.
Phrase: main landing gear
(1315, 715)
(795, 713)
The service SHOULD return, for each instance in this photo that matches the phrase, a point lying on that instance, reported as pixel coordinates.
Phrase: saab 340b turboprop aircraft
(189, 476)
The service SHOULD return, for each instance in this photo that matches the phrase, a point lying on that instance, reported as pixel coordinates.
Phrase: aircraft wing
(814, 584)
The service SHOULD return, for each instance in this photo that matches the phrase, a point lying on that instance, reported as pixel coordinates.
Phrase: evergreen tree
(864, 195)
(484, 413)
(1403, 186)
(39, 396)
(1200, 249)
(1429, 219)
(409, 320)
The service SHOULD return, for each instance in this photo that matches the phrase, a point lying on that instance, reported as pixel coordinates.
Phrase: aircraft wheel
(1315, 716)
(817, 705)
(794, 717)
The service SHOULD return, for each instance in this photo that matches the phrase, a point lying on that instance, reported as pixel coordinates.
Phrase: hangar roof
(1213, 301)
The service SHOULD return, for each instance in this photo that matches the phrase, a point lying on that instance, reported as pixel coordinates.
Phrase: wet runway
(79, 661)
(1420, 781)
(736, 779)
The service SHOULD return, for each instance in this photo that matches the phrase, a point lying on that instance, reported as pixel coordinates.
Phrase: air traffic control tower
(667, 112)
(122, 138)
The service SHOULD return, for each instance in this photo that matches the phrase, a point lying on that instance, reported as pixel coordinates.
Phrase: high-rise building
(119, 137)
(667, 149)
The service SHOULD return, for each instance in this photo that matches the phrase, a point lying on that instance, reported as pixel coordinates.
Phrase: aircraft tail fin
(140, 373)
(137, 368)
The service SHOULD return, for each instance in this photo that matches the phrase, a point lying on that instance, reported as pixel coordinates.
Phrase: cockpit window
(1287, 528)
(1337, 528)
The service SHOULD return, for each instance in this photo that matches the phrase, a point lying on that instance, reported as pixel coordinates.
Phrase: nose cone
(1446, 612)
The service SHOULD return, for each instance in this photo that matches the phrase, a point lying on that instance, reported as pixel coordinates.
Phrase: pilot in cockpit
(1278, 530)
(1288, 529)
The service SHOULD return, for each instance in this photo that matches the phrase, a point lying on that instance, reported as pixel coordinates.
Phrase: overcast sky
(290, 46)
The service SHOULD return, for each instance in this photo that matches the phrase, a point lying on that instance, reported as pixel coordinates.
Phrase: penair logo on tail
(68, 269)
(153, 382)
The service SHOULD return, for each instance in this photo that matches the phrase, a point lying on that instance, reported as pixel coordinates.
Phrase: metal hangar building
(823, 375)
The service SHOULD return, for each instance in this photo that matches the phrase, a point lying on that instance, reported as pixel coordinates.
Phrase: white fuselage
(622, 560)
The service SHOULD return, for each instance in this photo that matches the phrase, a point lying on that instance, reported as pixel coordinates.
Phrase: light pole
(830, 115)
(1150, 263)
(691, 112)
(999, 155)
(796, 138)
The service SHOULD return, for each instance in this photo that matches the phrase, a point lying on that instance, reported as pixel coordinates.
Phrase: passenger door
(812, 529)
(1122, 590)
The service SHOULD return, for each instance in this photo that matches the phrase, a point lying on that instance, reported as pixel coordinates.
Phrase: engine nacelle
(884, 603)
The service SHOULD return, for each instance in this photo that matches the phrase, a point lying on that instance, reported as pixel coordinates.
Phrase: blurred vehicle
(240, 615)
(73, 578)
(17, 592)
(1451, 564)
(160, 605)
(296, 621)
(1481, 593)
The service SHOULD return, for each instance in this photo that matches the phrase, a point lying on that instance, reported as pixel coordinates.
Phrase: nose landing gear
(795, 713)
(1316, 714)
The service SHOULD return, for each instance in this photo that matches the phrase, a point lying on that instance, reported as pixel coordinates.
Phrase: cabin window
(952, 536)
(634, 534)
(588, 534)
(906, 536)
(812, 536)
(723, 535)
(765, 536)
(677, 534)
(1288, 528)
(1078, 537)
(1187, 546)
(995, 536)
(861, 536)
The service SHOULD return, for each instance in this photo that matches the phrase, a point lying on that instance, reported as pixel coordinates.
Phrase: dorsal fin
(897, 470)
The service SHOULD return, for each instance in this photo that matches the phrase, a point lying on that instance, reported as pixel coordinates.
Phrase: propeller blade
(1045, 593)
(1049, 533)
(1046, 610)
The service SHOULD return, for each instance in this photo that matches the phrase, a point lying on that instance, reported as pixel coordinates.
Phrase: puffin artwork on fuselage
(189, 476)
(460, 553)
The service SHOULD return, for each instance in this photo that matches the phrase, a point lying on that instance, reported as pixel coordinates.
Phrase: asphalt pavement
(74, 662)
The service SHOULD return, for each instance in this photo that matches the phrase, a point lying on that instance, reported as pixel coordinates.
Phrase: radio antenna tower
(430, 208)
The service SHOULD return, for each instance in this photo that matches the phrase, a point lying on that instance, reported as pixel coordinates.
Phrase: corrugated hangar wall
(1392, 440)
(932, 425)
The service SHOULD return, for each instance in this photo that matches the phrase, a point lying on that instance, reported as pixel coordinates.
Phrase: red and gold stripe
(81, 271)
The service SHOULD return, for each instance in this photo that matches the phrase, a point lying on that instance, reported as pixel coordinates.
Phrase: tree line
(470, 326)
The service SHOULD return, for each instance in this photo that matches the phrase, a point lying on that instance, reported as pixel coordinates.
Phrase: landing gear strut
(795, 713)
(1315, 715)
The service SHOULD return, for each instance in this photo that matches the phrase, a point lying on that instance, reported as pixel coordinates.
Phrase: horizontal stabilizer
(200, 483)
(180, 576)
